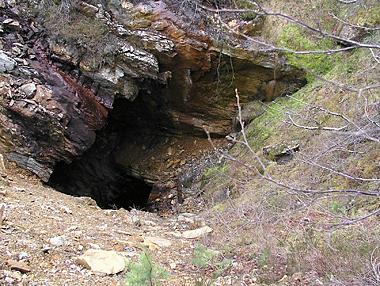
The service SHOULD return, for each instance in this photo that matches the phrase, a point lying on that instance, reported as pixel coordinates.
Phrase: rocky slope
(43, 232)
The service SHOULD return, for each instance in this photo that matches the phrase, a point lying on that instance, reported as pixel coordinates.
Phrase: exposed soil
(35, 213)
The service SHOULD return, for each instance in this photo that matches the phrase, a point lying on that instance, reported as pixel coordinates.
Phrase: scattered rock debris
(52, 237)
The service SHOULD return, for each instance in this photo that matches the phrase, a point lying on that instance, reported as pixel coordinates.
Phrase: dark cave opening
(110, 192)
(99, 173)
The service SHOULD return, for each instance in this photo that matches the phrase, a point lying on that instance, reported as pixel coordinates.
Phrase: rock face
(161, 76)
(46, 115)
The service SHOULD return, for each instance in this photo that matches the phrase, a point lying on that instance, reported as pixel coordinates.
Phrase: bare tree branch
(347, 1)
(352, 25)
(315, 127)
(375, 265)
(359, 219)
(269, 178)
(266, 12)
(375, 57)
(343, 174)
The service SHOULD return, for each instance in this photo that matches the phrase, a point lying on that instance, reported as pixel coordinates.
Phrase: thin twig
(266, 12)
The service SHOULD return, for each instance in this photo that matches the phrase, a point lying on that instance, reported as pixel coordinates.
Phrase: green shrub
(263, 258)
(222, 266)
(213, 171)
(338, 207)
(145, 272)
(204, 258)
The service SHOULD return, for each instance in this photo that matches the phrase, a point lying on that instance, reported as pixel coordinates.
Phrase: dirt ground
(34, 214)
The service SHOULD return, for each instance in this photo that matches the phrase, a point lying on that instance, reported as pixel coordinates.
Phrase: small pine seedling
(145, 272)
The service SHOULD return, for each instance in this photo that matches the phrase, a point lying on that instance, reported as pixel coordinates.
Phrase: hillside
(195, 142)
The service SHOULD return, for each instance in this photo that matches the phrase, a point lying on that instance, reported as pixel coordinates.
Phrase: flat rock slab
(195, 233)
(2, 214)
(57, 241)
(18, 266)
(102, 261)
(154, 242)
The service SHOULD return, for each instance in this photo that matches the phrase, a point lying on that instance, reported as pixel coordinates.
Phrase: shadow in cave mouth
(110, 190)
(97, 173)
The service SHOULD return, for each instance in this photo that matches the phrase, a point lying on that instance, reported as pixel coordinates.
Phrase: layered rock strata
(158, 81)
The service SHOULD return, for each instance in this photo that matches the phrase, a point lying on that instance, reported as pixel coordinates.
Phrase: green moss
(264, 128)
(349, 64)
(213, 171)
(214, 176)
(292, 37)
(369, 17)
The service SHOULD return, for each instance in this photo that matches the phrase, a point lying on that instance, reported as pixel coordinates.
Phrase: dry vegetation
(314, 217)
(68, 22)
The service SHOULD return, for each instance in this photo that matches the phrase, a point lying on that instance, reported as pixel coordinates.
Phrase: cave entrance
(110, 188)
(99, 173)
